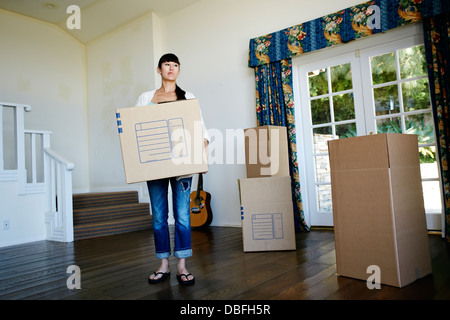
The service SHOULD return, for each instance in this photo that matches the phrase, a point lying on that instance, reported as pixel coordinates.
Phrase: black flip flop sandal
(187, 282)
(164, 276)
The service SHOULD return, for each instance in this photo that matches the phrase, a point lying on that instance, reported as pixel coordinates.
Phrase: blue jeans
(181, 190)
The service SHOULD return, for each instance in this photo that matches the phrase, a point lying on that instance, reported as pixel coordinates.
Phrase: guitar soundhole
(200, 204)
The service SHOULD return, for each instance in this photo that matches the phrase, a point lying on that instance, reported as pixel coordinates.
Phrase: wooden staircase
(102, 214)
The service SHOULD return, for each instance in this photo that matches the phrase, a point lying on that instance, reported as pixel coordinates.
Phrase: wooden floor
(117, 267)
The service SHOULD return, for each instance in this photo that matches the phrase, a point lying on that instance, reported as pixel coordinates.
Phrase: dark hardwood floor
(117, 267)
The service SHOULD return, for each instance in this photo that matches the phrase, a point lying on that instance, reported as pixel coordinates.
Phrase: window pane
(386, 100)
(318, 82)
(428, 156)
(383, 68)
(346, 130)
(341, 77)
(322, 169)
(320, 111)
(432, 196)
(416, 95)
(321, 138)
(412, 62)
(324, 198)
(429, 170)
(422, 125)
(390, 125)
(344, 107)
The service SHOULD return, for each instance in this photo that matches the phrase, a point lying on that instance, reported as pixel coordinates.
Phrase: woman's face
(169, 70)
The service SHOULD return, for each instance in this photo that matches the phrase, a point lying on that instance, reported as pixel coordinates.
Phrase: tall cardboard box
(378, 209)
(161, 141)
(266, 151)
(267, 214)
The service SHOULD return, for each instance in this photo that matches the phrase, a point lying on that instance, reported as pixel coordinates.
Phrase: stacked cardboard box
(265, 195)
(378, 209)
(266, 152)
(161, 141)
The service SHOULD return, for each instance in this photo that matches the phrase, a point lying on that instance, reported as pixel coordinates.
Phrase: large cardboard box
(161, 141)
(267, 214)
(378, 209)
(266, 151)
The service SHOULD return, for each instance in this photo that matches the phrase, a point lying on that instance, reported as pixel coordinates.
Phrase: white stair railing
(58, 198)
(38, 169)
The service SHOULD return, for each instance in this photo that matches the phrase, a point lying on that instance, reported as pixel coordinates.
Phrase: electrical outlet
(6, 225)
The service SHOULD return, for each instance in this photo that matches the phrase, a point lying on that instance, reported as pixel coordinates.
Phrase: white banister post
(47, 174)
(52, 193)
(33, 158)
(59, 194)
(20, 138)
(68, 205)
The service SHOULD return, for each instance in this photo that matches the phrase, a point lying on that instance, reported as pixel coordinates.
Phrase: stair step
(108, 213)
(98, 214)
(105, 228)
(86, 200)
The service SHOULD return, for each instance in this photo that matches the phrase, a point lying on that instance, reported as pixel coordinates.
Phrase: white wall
(120, 67)
(24, 224)
(41, 65)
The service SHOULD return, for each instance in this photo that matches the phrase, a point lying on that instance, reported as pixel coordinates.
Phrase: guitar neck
(200, 182)
(199, 185)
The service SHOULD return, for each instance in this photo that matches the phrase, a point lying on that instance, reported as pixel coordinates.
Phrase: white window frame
(405, 36)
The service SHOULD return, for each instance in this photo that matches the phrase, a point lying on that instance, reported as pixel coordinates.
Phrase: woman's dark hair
(170, 57)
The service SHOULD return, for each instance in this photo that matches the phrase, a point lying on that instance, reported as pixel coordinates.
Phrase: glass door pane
(401, 104)
(329, 101)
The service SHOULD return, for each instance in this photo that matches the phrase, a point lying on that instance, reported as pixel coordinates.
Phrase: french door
(330, 92)
(373, 89)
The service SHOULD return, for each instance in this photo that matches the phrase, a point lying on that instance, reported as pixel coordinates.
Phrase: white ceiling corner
(98, 17)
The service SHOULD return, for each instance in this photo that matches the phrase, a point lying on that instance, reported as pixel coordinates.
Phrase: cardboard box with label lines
(266, 197)
(267, 214)
(161, 141)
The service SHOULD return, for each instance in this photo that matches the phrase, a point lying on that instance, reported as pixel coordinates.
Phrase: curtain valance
(343, 26)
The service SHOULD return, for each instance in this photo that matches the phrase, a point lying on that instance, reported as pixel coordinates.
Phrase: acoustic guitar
(201, 214)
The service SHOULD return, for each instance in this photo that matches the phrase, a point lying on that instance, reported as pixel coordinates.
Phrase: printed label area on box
(267, 226)
(161, 140)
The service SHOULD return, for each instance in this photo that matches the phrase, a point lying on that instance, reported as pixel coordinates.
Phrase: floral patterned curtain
(271, 55)
(275, 106)
(437, 49)
(340, 27)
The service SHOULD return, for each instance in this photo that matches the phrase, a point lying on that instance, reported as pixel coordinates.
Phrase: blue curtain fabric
(275, 106)
(437, 50)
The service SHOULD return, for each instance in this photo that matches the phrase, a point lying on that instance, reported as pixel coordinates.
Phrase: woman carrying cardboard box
(169, 69)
